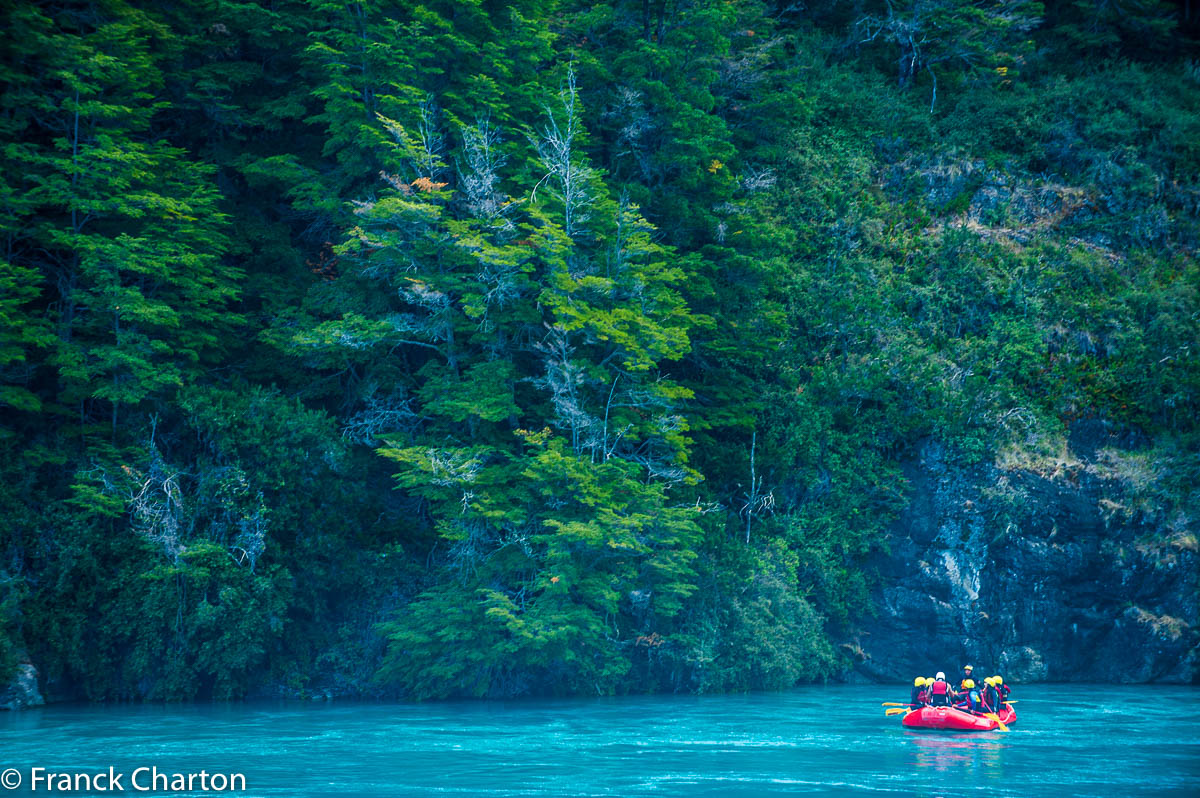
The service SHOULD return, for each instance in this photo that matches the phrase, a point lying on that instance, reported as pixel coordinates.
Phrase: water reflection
(976, 753)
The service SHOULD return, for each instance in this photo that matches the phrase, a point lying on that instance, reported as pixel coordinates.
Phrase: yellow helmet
(968, 683)
(919, 681)
(967, 668)
(990, 680)
(998, 680)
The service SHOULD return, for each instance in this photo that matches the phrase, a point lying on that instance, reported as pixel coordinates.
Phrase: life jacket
(1004, 691)
(939, 688)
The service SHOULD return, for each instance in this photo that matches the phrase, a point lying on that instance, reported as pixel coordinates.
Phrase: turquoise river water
(813, 740)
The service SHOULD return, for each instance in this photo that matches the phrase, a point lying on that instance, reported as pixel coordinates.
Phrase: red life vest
(939, 688)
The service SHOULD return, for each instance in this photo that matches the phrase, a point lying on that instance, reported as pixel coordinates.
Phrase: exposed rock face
(1057, 570)
(22, 691)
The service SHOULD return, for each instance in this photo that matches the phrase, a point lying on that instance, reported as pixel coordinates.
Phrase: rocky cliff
(22, 690)
(1041, 568)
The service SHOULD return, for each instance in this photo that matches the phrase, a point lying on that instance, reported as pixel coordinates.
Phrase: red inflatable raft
(953, 719)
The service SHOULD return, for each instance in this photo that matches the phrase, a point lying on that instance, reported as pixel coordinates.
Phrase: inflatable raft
(951, 719)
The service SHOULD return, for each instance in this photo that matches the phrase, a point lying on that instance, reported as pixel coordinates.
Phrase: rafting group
(937, 704)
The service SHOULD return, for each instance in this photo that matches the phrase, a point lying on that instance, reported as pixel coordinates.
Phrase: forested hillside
(494, 348)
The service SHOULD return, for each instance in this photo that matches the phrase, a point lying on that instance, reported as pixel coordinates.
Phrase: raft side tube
(951, 719)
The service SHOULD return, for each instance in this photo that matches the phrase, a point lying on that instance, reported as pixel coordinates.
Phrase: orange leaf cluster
(425, 184)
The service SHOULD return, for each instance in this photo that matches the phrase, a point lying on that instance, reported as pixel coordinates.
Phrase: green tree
(967, 35)
(122, 226)
(562, 543)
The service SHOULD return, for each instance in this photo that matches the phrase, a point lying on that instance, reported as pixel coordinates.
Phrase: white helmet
(941, 677)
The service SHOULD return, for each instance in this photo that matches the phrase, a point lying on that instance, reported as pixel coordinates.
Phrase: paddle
(893, 704)
(896, 711)
(999, 723)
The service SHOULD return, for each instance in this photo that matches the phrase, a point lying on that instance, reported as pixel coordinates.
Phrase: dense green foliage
(531, 346)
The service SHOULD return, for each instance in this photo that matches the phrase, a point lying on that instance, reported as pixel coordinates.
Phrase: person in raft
(962, 686)
(1002, 688)
(917, 697)
(991, 695)
(940, 693)
(970, 698)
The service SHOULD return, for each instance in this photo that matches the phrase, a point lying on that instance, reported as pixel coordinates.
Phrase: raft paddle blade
(999, 723)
